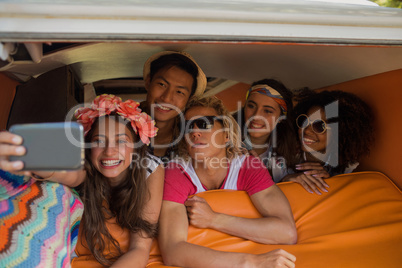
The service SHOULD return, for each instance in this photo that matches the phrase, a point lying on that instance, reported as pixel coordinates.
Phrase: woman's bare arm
(140, 243)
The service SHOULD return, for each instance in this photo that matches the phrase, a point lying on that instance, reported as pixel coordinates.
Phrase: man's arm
(178, 252)
(277, 225)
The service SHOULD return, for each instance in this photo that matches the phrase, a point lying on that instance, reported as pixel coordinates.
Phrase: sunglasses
(319, 126)
(202, 123)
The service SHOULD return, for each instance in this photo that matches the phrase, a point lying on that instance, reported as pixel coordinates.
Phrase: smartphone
(51, 146)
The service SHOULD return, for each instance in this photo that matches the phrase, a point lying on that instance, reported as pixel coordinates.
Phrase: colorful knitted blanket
(38, 222)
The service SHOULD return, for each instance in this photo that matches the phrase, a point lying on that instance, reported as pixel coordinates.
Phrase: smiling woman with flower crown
(121, 232)
(120, 213)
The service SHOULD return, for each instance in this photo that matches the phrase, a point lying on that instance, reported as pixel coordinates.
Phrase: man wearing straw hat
(171, 78)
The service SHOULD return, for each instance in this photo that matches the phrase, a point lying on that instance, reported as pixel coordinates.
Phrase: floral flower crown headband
(105, 104)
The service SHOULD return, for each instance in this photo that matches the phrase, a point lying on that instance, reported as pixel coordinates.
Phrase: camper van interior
(58, 54)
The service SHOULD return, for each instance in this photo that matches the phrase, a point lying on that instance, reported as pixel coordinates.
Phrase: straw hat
(201, 78)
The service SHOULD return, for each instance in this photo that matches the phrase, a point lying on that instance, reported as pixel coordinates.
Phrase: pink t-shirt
(246, 173)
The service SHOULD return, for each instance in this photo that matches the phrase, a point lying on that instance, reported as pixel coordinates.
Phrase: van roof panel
(200, 20)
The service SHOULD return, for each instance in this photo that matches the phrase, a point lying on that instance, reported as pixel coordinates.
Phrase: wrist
(216, 222)
(40, 178)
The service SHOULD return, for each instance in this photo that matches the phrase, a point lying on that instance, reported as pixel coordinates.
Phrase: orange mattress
(358, 223)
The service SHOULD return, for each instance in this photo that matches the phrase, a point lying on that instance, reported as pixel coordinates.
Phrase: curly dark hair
(355, 122)
(285, 131)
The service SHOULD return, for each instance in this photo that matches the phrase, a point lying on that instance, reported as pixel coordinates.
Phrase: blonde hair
(233, 147)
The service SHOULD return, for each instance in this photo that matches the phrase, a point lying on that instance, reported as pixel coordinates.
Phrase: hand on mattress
(199, 212)
(311, 177)
(275, 258)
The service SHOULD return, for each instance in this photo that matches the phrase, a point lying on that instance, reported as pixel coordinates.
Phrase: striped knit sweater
(38, 222)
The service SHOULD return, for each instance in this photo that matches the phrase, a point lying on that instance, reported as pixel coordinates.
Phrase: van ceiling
(297, 65)
(231, 20)
(300, 42)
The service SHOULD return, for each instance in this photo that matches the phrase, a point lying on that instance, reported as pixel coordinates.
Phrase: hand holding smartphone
(51, 146)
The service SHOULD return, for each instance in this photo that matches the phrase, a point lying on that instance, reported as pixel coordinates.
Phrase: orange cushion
(358, 223)
(85, 258)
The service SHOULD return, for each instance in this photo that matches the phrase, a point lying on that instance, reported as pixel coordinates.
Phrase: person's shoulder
(177, 171)
(253, 160)
(178, 163)
(153, 160)
(175, 168)
(151, 164)
(252, 164)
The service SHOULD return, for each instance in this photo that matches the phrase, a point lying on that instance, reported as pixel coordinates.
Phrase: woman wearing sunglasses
(211, 158)
(335, 130)
(267, 130)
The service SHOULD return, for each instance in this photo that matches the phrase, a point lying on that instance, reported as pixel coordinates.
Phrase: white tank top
(232, 177)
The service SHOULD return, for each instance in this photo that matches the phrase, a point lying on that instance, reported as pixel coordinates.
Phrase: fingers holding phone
(10, 145)
(51, 146)
(42, 147)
